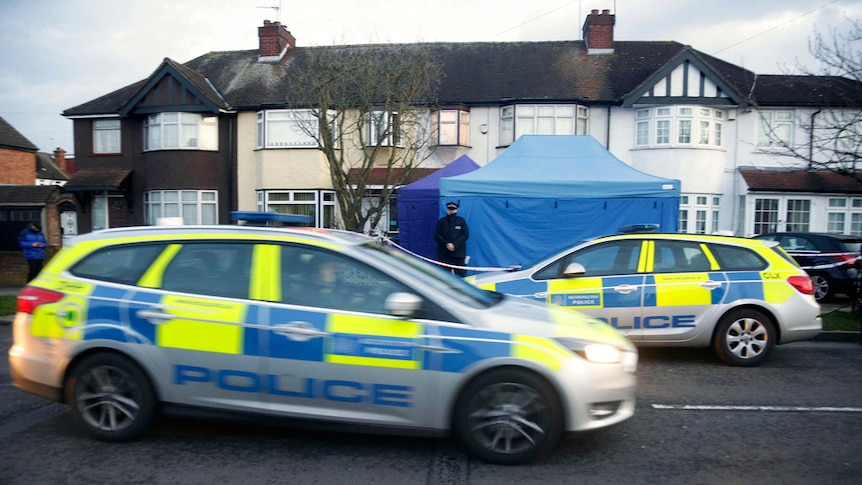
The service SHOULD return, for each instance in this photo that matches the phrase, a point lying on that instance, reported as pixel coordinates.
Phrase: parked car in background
(739, 296)
(830, 259)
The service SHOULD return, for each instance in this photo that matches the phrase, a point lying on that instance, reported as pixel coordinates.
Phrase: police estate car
(740, 296)
(314, 325)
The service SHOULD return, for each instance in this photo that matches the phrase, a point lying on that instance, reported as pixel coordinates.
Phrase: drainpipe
(608, 128)
(811, 139)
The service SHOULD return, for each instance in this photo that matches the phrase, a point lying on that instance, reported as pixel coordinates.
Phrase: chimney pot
(606, 12)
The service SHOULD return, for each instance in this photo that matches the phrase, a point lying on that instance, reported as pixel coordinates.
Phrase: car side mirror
(403, 304)
(574, 269)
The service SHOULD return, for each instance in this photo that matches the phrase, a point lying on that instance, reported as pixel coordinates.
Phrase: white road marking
(696, 407)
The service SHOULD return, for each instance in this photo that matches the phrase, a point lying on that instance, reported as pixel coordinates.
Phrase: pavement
(840, 305)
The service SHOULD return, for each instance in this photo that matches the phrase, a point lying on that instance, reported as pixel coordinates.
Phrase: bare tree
(370, 114)
(835, 127)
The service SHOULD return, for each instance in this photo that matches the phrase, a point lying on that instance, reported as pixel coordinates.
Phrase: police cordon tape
(851, 258)
(446, 265)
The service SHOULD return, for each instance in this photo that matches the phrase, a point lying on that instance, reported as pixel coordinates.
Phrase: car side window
(797, 243)
(734, 258)
(216, 269)
(318, 278)
(118, 264)
(679, 257)
(612, 258)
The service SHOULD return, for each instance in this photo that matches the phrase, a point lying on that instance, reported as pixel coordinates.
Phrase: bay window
(180, 131)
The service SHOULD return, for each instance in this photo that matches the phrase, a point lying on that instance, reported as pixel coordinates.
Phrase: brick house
(219, 132)
(23, 199)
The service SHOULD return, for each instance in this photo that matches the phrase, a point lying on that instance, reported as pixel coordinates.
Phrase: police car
(311, 325)
(739, 296)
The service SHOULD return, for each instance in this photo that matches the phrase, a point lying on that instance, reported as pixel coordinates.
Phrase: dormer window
(180, 131)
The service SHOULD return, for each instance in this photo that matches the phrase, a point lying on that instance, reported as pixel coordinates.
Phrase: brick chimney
(60, 158)
(599, 32)
(275, 40)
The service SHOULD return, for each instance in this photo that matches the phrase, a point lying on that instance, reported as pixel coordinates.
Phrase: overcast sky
(57, 54)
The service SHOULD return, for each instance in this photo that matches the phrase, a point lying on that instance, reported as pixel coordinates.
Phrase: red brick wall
(19, 167)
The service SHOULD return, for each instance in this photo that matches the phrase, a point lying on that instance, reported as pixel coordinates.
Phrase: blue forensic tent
(418, 211)
(548, 192)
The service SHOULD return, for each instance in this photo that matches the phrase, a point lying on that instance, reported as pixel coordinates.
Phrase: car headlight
(594, 352)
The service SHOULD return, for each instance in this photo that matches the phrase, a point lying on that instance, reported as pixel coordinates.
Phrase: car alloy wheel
(509, 417)
(110, 398)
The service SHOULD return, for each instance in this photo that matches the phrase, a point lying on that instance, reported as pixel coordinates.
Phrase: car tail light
(31, 297)
(845, 258)
(802, 284)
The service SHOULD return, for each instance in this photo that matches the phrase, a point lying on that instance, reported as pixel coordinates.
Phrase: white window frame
(319, 204)
(452, 127)
(379, 131)
(684, 126)
(180, 131)
(797, 215)
(289, 128)
(196, 207)
(542, 119)
(775, 129)
(107, 136)
(705, 213)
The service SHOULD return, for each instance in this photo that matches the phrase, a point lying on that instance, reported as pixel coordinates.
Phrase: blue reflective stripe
(251, 337)
(744, 285)
(522, 287)
(473, 345)
(615, 299)
(281, 347)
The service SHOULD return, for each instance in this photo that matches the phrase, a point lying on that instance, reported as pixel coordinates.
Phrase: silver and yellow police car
(311, 325)
(739, 296)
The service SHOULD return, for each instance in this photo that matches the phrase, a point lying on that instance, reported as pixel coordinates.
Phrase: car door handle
(711, 285)
(437, 348)
(299, 331)
(625, 289)
(541, 294)
(155, 315)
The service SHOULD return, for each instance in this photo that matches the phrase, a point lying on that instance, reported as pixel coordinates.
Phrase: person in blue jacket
(451, 235)
(33, 244)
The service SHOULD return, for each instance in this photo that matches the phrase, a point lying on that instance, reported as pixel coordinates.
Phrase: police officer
(451, 235)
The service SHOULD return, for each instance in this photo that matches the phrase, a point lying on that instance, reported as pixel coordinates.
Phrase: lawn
(835, 320)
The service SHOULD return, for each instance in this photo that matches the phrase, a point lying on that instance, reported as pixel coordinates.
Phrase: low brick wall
(13, 266)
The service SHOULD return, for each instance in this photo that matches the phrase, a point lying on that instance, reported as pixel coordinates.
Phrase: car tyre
(110, 398)
(824, 290)
(744, 337)
(508, 417)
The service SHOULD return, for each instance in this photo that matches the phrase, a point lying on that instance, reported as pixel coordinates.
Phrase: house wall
(19, 167)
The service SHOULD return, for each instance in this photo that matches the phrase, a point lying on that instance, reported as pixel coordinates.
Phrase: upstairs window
(452, 127)
(383, 128)
(181, 131)
(541, 119)
(775, 129)
(684, 126)
(297, 128)
(106, 136)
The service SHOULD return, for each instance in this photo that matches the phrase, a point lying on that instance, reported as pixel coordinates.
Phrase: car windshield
(434, 276)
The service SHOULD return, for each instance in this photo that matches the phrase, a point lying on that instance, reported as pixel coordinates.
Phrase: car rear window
(735, 258)
(852, 245)
(118, 264)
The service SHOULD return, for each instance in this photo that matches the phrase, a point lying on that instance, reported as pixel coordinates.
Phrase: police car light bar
(639, 228)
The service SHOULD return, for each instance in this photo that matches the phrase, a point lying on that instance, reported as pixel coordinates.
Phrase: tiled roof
(818, 181)
(12, 138)
(26, 194)
(97, 179)
(474, 73)
(47, 169)
(378, 175)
